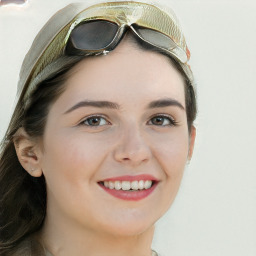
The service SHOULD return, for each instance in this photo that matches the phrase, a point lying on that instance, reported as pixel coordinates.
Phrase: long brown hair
(23, 197)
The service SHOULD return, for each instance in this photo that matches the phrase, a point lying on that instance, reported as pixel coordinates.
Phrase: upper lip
(132, 178)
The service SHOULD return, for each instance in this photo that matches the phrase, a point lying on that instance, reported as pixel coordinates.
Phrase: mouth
(129, 187)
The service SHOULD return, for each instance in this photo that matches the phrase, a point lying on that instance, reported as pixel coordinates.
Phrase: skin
(82, 219)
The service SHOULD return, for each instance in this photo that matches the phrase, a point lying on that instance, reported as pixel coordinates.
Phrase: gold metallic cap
(46, 54)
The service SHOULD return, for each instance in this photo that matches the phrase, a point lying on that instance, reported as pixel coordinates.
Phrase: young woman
(101, 133)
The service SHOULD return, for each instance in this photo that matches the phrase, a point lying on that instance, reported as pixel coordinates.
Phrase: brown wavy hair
(23, 197)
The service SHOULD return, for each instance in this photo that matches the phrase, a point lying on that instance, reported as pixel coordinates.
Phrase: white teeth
(148, 184)
(118, 185)
(141, 184)
(127, 185)
(111, 185)
(106, 184)
(135, 185)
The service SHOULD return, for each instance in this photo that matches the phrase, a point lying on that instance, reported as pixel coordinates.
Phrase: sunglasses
(102, 36)
(100, 28)
(79, 30)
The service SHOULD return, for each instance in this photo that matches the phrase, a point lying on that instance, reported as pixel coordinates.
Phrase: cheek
(172, 152)
(171, 155)
(70, 165)
(74, 158)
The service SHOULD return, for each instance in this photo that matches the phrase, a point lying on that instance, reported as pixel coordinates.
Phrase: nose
(132, 149)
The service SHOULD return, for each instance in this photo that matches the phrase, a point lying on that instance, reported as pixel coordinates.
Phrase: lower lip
(130, 195)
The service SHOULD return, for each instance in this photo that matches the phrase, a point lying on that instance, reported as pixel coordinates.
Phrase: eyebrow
(165, 103)
(97, 104)
(112, 105)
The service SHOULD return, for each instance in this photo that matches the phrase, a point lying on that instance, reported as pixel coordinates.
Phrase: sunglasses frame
(117, 37)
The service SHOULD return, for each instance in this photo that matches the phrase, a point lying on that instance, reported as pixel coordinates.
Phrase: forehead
(125, 74)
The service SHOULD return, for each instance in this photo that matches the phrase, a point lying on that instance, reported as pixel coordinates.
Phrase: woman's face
(122, 119)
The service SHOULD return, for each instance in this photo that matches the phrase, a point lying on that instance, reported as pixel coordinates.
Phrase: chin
(129, 225)
(129, 230)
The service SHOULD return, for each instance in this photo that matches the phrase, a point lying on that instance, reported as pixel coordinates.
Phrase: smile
(127, 185)
(130, 187)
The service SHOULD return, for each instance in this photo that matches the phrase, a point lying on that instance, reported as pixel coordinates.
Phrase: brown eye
(162, 121)
(94, 121)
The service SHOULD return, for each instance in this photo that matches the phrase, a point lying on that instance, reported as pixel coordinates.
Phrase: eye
(162, 120)
(94, 121)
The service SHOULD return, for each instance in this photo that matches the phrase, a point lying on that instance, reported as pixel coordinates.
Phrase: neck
(65, 240)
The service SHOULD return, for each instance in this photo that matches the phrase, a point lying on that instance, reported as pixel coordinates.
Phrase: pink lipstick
(132, 188)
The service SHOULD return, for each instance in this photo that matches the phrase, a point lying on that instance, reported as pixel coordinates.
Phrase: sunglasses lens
(156, 38)
(93, 35)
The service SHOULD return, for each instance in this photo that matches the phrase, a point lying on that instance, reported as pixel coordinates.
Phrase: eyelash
(170, 119)
(91, 117)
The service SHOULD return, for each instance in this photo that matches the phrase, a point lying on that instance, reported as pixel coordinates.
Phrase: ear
(192, 138)
(28, 152)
